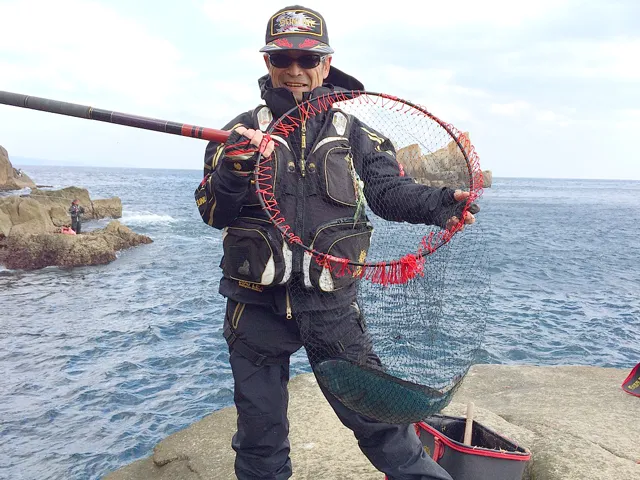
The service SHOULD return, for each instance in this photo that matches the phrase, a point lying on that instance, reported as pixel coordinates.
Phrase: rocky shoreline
(576, 421)
(32, 226)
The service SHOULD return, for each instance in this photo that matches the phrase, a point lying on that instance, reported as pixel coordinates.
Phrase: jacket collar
(280, 100)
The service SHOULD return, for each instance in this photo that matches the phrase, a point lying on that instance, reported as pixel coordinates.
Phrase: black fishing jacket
(319, 190)
(76, 211)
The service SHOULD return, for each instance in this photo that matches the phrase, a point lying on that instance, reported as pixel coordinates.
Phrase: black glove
(452, 208)
(239, 154)
(459, 206)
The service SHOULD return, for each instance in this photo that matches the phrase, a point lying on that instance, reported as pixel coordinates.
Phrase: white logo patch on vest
(264, 118)
(340, 122)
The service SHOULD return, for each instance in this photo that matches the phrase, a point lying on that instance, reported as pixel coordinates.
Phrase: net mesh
(397, 329)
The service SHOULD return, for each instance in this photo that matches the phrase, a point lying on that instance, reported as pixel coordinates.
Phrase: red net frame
(396, 271)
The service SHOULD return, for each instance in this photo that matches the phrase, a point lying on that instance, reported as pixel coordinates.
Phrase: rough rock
(487, 178)
(30, 224)
(25, 215)
(30, 251)
(410, 157)
(5, 224)
(576, 421)
(445, 167)
(57, 203)
(107, 208)
(11, 178)
(581, 424)
(44, 210)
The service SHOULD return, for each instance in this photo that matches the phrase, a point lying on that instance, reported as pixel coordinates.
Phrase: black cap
(297, 28)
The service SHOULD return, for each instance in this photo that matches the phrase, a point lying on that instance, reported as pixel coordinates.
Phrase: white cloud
(436, 89)
(524, 110)
(510, 109)
(344, 20)
(629, 116)
(432, 14)
(610, 59)
(554, 118)
(510, 73)
(86, 46)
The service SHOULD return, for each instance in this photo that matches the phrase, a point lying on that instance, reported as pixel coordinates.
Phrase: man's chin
(297, 92)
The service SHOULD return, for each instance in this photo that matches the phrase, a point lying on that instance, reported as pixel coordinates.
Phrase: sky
(547, 89)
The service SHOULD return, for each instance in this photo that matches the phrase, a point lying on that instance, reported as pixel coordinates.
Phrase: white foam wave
(145, 218)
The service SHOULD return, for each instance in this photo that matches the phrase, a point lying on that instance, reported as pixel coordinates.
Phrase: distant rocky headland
(32, 225)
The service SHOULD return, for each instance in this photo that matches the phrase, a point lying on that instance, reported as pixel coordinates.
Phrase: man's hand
(460, 196)
(241, 147)
(256, 138)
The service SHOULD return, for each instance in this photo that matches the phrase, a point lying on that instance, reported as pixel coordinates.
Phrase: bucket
(489, 456)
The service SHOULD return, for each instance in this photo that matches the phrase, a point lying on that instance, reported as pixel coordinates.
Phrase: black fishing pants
(260, 344)
(76, 225)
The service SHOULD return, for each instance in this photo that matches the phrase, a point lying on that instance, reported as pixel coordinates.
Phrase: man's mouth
(295, 84)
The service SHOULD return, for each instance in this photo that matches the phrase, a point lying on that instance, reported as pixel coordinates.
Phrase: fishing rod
(91, 113)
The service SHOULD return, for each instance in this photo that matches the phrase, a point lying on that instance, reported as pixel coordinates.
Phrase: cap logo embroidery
(308, 43)
(296, 21)
(283, 42)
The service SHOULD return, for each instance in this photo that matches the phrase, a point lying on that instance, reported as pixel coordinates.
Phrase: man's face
(294, 77)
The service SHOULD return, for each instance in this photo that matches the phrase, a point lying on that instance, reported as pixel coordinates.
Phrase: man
(267, 320)
(76, 211)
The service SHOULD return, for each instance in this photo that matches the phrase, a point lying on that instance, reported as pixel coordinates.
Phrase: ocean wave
(146, 218)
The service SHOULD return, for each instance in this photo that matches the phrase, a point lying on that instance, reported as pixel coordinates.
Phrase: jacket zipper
(303, 147)
(289, 314)
(299, 222)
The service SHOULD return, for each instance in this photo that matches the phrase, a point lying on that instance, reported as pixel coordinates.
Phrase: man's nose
(294, 69)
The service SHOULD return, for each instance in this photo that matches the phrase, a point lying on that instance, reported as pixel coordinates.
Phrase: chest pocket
(338, 179)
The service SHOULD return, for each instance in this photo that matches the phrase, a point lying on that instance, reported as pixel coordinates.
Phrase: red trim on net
(386, 273)
(483, 452)
(634, 373)
(241, 148)
(264, 188)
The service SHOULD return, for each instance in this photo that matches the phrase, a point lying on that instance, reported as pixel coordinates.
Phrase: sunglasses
(280, 60)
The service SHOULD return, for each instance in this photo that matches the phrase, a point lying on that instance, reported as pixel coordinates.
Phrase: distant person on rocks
(76, 212)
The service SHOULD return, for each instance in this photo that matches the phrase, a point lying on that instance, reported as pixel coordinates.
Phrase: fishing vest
(321, 197)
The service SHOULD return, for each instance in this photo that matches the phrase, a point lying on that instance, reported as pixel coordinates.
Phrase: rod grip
(44, 104)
